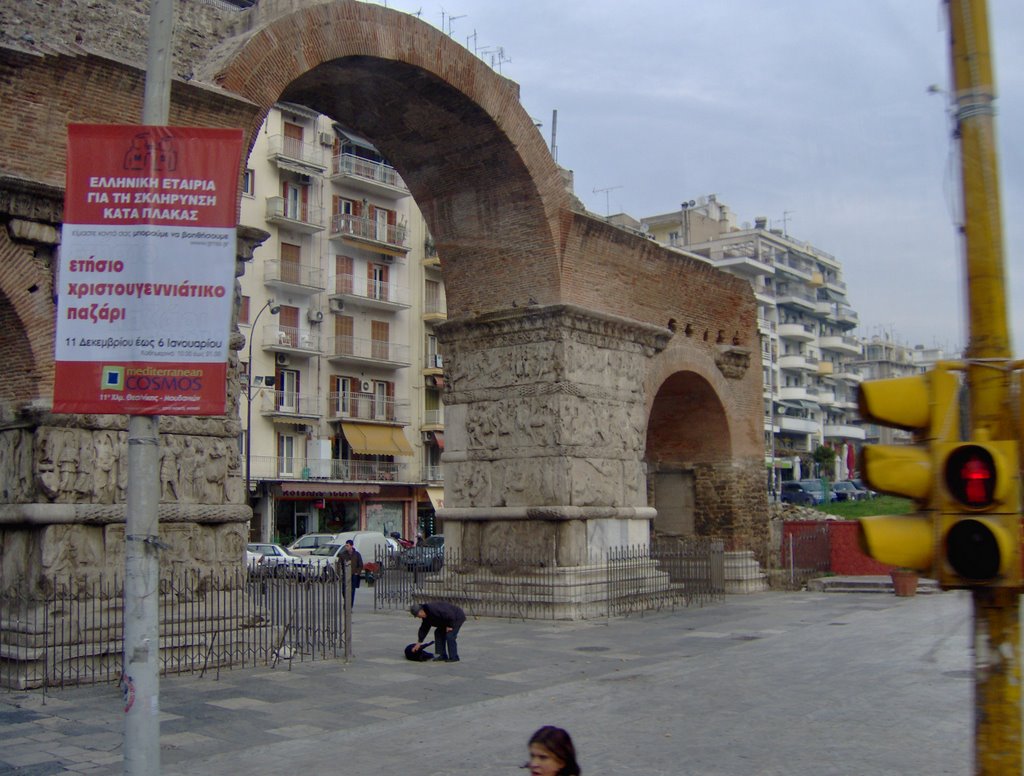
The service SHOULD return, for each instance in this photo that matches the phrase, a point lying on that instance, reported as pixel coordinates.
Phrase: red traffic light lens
(971, 476)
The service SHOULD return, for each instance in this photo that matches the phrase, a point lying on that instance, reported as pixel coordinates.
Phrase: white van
(369, 544)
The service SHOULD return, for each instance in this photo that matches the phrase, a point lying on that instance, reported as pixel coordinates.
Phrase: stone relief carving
(15, 465)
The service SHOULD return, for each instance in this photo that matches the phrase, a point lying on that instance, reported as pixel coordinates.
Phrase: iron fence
(520, 586)
(806, 552)
(71, 631)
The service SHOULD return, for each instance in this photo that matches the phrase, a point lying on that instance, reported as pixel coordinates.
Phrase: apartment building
(808, 351)
(342, 418)
(884, 357)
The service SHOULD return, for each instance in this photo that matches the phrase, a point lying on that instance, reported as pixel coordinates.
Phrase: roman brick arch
(26, 326)
(687, 423)
(455, 130)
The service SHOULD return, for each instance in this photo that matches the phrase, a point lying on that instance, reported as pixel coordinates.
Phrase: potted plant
(904, 581)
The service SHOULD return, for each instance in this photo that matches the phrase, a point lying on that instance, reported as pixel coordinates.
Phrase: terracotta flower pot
(904, 582)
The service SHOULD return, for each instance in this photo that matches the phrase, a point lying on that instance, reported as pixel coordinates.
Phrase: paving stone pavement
(771, 683)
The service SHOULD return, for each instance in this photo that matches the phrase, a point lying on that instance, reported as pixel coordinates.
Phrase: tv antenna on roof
(607, 206)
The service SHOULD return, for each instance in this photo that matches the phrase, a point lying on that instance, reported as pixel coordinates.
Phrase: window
(291, 260)
(378, 282)
(285, 455)
(288, 395)
(343, 328)
(293, 140)
(343, 269)
(249, 183)
(432, 297)
(243, 311)
(380, 333)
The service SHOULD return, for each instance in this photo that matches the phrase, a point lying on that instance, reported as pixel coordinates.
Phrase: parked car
(845, 490)
(863, 487)
(306, 543)
(274, 558)
(428, 556)
(803, 492)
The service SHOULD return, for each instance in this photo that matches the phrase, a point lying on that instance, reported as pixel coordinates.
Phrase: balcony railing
(280, 147)
(433, 417)
(367, 406)
(433, 473)
(355, 349)
(300, 216)
(302, 468)
(369, 230)
(292, 273)
(289, 403)
(363, 287)
(290, 339)
(433, 361)
(377, 172)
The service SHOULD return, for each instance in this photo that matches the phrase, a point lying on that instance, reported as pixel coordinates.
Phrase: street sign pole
(141, 677)
(997, 669)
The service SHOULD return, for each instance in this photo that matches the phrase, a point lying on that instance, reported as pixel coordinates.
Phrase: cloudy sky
(813, 113)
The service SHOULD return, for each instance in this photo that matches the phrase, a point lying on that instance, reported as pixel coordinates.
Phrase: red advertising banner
(147, 267)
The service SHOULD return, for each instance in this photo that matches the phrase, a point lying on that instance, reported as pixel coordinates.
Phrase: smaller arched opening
(688, 447)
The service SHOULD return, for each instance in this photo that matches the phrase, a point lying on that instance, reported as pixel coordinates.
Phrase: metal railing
(71, 631)
(299, 467)
(630, 580)
(378, 172)
(346, 224)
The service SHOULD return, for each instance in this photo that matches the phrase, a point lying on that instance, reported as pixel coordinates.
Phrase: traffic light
(926, 404)
(979, 521)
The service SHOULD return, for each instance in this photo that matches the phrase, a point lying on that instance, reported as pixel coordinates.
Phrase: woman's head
(552, 753)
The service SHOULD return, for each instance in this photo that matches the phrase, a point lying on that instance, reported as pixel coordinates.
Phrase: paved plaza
(771, 683)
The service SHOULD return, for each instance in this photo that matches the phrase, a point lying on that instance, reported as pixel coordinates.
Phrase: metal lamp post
(274, 310)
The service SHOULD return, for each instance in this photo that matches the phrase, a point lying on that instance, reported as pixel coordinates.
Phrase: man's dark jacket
(440, 615)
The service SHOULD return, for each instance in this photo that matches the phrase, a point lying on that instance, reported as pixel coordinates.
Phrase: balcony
(433, 473)
(351, 350)
(369, 234)
(433, 363)
(844, 431)
(293, 154)
(804, 332)
(796, 297)
(847, 373)
(798, 425)
(365, 292)
(433, 420)
(366, 175)
(293, 277)
(794, 393)
(289, 404)
(844, 315)
(430, 257)
(290, 340)
(368, 407)
(269, 467)
(843, 344)
(434, 311)
(298, 217)
(825, 396)
(798, 361)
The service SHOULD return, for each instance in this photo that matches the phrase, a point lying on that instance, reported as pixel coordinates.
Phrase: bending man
(445, 619)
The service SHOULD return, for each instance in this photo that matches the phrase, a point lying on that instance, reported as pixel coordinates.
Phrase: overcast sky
(815, 113)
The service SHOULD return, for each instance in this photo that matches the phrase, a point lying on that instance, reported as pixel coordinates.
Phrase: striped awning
(368, 439)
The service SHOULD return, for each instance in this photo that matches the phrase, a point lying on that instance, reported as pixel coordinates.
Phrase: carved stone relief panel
(16, 484)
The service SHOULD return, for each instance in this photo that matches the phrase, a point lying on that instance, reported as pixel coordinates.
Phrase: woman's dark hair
(559, 743)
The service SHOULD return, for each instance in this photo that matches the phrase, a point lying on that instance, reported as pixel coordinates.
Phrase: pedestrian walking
(349, 554)
(552, 753)
(446, 620)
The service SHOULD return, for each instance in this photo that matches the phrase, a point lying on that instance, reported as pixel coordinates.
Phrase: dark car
(428, 556)
(845, 490)
(803, 492)
(868, 493)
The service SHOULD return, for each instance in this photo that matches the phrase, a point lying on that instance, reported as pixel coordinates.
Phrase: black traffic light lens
(971, 476)
(972, 550)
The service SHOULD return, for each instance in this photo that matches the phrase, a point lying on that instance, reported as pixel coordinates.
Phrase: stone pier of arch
(544, 468)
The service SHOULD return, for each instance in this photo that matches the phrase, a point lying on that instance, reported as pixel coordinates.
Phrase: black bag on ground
(419, 656)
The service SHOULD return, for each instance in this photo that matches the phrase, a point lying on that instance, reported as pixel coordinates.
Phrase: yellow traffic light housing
(979, 522)
(926, 404)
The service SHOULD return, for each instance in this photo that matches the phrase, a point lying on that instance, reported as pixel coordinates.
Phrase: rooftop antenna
(607, 206)
(554, 133)
(785, 221)
(451, 19)
(471, 38)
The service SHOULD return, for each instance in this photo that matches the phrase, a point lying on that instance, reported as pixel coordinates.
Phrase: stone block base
(743, 573)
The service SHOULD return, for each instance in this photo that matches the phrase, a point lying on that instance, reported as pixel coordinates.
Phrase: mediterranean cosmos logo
(119, 378)
(112, 378)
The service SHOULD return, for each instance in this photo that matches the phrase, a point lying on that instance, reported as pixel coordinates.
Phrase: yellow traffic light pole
(997, 669)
